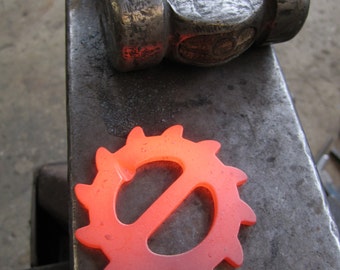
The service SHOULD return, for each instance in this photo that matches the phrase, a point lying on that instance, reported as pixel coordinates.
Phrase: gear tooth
(237, 175)
(235, 256)
(176, 130)
(247, 214)
(135, 133)
(242, 178)
(103, 157)
(87, 236)
(83, 194)
(210, 145)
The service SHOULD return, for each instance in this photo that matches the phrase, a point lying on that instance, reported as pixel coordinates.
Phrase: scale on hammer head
(140, 34)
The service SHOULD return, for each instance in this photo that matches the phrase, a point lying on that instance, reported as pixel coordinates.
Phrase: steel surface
(245, 105)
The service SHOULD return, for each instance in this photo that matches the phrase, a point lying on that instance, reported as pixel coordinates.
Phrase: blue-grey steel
(140, 34)
(244, 104)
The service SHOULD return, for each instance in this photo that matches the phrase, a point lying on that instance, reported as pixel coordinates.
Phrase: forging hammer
(139, 34)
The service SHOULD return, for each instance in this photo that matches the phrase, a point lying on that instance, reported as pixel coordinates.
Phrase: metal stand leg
(49, 223)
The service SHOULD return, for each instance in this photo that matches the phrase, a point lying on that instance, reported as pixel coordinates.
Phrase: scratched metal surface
(244, 105)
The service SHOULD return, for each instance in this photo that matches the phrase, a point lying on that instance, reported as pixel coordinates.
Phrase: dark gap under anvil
(245, 105)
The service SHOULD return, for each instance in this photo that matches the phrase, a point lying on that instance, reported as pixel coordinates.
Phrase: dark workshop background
(32, 100)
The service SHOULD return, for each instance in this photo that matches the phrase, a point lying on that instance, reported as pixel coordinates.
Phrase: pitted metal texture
(139, 34)
(220, 10)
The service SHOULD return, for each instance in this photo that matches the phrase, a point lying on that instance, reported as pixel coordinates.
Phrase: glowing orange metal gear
(126, 245)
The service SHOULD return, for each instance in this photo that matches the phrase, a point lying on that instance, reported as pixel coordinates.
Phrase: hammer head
(139, 34)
